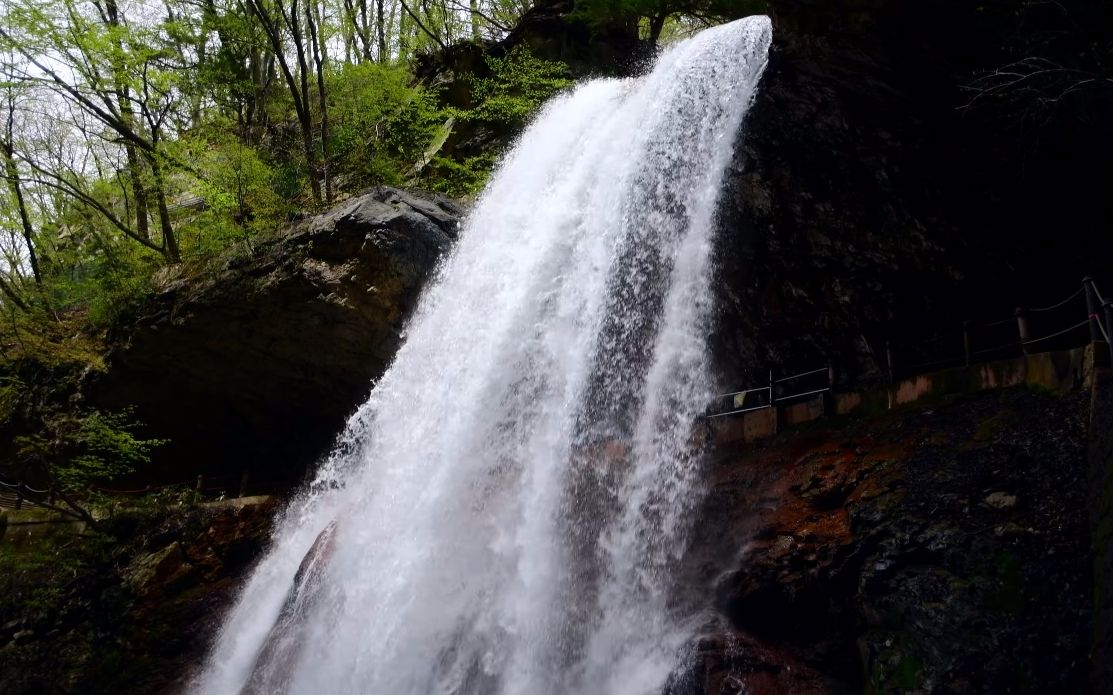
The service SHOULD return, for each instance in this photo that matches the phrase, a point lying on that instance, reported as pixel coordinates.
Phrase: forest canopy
(136, 135)
(143, 141)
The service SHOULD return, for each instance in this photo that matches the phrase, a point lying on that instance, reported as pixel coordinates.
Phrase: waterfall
(505, 512)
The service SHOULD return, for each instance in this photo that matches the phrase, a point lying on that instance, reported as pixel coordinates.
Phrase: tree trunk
(656, 25)
(299, 88)
(320, 63)
(12, 175)
(11, 294)
(127, 116)
(384, 56)
(311, 161)
(169, 239)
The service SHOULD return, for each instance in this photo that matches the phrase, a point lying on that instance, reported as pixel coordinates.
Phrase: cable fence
(1057, 326)
(1080, 317)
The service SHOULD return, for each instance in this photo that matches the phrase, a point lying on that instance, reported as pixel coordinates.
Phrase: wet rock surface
(943, 549)
(873, 198)
(132, 609)
(256, 366)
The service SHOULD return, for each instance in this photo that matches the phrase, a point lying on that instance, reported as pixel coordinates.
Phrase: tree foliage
(518, 85)
(657, 20)
(143, 139)
(93, 447)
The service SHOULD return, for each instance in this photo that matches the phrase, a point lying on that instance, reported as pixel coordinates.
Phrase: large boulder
(256, 365)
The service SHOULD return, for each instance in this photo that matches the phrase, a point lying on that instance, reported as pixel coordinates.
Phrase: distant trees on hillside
(141, 134)
(136, 133)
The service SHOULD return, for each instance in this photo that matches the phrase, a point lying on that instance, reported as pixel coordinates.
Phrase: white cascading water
(504, 514)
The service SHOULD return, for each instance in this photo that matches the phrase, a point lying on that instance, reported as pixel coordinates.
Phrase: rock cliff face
(257, 365)
(873, 199)
(1100, 504)
(943, 549)
(935, 549)
(878, 194)
(132, 611)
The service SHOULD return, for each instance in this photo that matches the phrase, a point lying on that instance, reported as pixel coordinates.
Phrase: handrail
(1077, 292)
(1056, 335)
(773, 398)
(805, 393)
(738, 393)
(802, 374)
(736, 412)
(998, 348)
(1103, 327)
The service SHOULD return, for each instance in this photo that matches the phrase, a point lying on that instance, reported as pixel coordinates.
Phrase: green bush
(77, 450)
(519, 85)
(380, 123)
(239, 193)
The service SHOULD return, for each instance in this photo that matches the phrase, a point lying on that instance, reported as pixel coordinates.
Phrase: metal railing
(1014, 336)
(967, 347)
(777, 392)
(20, 496)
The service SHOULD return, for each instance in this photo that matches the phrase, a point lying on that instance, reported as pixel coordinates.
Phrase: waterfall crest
(503, 515)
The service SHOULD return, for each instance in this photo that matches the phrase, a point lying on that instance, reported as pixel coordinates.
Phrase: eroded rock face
(875, 198)
(877, 555)
(138, 608)
(256, 365)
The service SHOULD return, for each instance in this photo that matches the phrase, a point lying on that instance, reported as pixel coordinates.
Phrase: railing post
(243, 484)
(1109, 326)
(1092, 309)
(829, 396)
(966, 341)
(889, 361)
(771, 398)
(197, 490)
(1023, 328)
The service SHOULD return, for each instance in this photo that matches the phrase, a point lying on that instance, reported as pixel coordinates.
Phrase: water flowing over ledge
(504, 513)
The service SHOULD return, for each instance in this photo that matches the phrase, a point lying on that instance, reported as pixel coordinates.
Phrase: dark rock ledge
(256, 365)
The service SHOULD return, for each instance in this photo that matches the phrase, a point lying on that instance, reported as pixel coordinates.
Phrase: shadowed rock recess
(257, 365)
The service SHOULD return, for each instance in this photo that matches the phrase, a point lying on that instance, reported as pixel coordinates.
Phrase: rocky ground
(938, 549)
(943, 548)
(130, 608)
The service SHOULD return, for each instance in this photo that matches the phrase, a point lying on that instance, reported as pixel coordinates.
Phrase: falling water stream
(504, 514)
